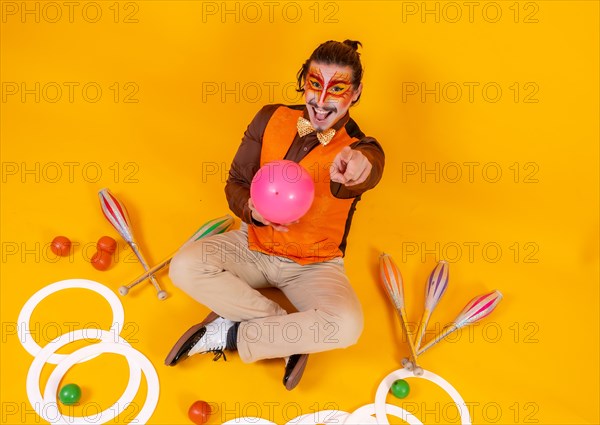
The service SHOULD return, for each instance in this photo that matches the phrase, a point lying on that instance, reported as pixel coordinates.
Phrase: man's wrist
(257, 223)
(249, 218)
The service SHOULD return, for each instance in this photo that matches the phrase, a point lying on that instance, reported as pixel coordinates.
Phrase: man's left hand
(350, 167)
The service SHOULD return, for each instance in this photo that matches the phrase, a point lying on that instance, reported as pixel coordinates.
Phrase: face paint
(328, 94)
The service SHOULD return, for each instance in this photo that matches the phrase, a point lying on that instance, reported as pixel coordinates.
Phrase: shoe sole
(212, 316)
(297, 373)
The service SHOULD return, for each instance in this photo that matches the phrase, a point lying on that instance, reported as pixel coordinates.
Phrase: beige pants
(224, 275)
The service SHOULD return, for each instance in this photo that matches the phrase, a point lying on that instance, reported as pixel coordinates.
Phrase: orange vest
(318, 235)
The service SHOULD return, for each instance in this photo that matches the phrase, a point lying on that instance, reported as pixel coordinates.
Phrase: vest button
(305, 148)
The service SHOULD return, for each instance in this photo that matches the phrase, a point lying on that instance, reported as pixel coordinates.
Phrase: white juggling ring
(25, 315)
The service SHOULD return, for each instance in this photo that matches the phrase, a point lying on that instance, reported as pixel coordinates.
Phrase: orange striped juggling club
(392, 281)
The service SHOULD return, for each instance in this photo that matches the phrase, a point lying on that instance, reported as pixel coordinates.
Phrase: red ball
(61, 246)
(199, 412)
(106, 243)
(101, 260)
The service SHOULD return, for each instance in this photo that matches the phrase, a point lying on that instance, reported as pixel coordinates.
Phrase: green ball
(69, 394)
(400, 388)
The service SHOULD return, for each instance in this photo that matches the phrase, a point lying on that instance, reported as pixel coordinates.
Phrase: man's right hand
(258, 217)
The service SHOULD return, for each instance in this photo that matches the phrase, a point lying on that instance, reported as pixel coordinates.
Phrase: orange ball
(101, 260)
(61, 246)
(199, 412)
(106, 243)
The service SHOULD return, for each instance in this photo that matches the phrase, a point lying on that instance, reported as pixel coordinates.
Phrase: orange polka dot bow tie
(305, 127)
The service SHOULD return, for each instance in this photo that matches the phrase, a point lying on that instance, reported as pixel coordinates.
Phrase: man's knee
(180, 266)
(190, 263)
(345, 327)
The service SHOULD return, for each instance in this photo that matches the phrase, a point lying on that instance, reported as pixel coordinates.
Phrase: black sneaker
(294, 368)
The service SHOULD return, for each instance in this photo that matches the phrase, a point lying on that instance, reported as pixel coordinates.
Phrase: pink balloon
(282, 191)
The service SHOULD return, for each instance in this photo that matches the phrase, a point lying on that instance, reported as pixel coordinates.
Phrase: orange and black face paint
(337, 88)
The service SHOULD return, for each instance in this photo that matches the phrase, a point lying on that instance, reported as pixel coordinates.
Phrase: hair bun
(353, 43)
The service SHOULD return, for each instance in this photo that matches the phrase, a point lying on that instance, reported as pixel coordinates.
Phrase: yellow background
(189, 81)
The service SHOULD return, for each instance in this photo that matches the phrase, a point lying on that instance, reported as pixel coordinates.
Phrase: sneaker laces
(218, 354)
